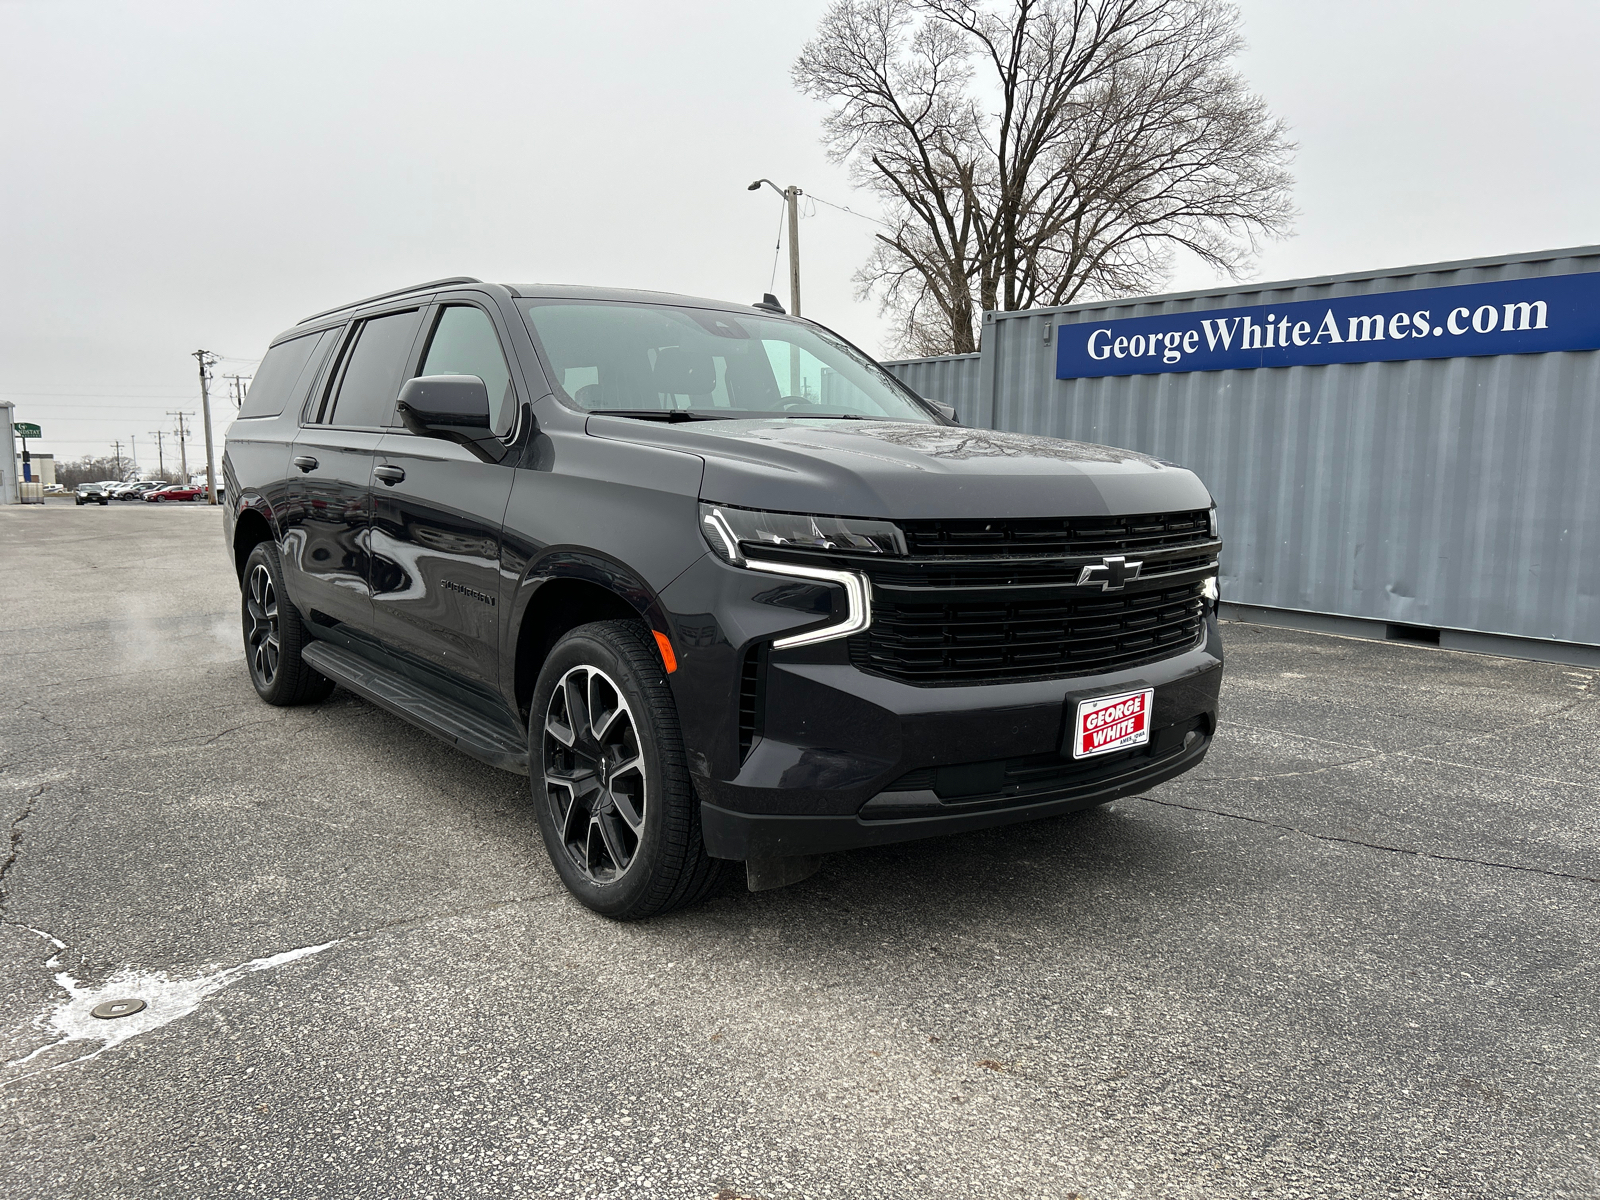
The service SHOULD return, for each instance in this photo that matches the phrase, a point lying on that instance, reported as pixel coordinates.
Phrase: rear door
(329, 515)
(438, 510)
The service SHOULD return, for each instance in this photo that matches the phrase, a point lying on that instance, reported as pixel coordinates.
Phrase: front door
(437, 514)
(329, 514)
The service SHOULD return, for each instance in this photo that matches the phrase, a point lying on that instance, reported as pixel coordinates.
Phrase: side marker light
(664, 644)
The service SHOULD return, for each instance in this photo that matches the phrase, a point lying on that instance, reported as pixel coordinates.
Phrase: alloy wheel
(261, 638)
(594, 773)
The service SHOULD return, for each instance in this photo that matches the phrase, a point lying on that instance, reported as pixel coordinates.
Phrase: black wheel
(610, 782)
(274, 634)
(104, 501)
(80, 501)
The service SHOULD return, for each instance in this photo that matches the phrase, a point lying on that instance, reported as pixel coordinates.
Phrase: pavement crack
(15, 845)
(469, 911)
(223, 733)
(1347, 841)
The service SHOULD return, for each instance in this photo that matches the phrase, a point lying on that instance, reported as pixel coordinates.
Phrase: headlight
(727, 530)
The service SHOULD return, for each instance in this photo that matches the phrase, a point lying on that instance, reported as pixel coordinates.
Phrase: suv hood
(894, 469)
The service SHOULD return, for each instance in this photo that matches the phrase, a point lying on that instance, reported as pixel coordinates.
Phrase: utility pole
(183, 444)
(236, 389)
(117, 447)
(791, 196)
(133, 454)
(207, 360)
(161, 466)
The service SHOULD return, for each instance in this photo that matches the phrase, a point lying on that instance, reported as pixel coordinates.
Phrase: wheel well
(251, 531)
(559, 606)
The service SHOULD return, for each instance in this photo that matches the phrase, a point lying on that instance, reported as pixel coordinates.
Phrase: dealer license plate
(1109, 723)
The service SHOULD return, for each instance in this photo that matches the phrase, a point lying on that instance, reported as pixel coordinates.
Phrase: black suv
(721, 586)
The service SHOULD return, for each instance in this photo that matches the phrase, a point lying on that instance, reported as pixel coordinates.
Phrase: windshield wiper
(670, 415)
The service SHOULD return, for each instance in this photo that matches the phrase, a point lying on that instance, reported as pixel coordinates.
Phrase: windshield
(649, 358)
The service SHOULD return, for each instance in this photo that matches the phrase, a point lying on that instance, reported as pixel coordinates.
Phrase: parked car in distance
(55, 489)
(720, 585)
(137, 489)
(91, 493)
(177, 491)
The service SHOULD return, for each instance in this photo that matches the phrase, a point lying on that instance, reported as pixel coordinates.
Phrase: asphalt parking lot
(1354, 954)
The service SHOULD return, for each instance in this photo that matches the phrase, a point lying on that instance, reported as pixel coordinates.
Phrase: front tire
(610, 780)
(274, 635)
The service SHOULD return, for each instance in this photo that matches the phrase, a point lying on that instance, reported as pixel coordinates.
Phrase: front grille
(1053, 536)
(990, 601)
(983, 636)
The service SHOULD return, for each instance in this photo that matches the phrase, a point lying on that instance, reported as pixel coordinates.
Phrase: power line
(109, 395)
(851, 211)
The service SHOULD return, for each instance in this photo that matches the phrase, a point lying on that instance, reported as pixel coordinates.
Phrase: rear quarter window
(285, 374)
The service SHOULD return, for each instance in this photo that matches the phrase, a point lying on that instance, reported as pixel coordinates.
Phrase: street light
(791, 196)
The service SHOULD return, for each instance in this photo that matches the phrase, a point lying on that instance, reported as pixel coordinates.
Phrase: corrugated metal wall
(1455, 493)
(955, 379)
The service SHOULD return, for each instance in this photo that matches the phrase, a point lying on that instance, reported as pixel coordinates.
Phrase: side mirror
(947, 411)
(452, 407)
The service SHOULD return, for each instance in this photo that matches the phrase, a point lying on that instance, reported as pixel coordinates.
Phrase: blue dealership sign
(1511, 316)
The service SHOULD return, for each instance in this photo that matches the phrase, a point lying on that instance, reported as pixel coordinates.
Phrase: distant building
(9, 458)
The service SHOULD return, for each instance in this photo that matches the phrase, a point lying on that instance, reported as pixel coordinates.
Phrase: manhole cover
(116, 1008)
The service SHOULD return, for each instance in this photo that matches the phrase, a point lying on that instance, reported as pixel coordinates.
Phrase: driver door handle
(390, 475)
(305, 462)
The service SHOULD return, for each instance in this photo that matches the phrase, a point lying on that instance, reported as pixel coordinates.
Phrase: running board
(486, 740)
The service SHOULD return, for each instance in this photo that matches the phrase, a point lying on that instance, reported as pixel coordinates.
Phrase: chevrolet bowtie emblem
(1111, 573)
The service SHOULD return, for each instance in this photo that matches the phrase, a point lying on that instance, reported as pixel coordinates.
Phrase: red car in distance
(177, 491)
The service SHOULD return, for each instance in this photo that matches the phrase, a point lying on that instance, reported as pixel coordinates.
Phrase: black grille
(980, 636)
(965, 783)
(1053, 536)
(749, 700)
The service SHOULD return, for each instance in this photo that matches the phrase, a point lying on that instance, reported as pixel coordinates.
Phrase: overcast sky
(185, 175)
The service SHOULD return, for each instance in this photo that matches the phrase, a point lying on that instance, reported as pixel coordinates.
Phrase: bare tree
(88, 469)
(1044, 151)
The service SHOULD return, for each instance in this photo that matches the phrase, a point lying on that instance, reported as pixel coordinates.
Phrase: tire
(586, 790)
(104, 502)
(274, 635)
(79, 499)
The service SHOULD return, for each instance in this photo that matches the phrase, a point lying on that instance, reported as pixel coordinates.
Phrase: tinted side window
(464, 343)
(370, 382)
(282, 376)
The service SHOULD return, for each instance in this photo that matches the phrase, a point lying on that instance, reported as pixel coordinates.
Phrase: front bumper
(838, 757)
(892, 817)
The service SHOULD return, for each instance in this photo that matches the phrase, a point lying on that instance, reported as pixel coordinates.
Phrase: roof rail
(416, 287)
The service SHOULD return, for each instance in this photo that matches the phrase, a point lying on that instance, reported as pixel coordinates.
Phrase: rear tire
(610, 780)
(274, 635)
